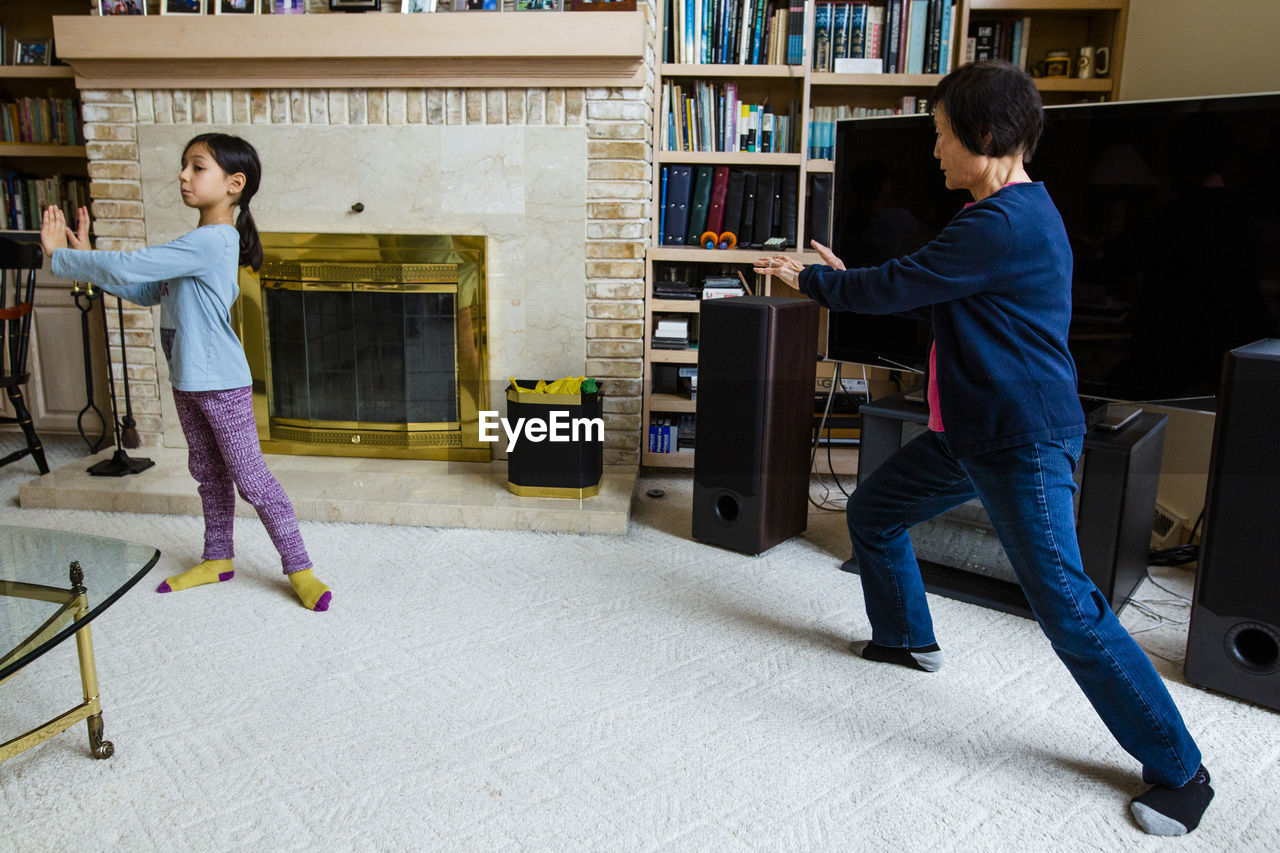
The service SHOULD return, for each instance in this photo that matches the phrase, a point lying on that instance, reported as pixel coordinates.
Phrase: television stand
(1118, 475)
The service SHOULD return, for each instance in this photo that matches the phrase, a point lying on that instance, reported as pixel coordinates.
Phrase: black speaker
(1233, 644)
(756, 367)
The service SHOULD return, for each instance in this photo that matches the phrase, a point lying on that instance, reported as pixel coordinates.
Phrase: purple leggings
(225, 456)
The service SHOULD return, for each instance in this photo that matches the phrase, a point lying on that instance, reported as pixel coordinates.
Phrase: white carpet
(476, 690)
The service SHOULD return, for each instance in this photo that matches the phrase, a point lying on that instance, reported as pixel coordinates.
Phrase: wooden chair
(18, 265)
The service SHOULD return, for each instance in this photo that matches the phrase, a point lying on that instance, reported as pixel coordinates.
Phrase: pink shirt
(935, 412)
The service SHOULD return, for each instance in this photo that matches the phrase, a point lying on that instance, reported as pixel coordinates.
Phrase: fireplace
(368, 345)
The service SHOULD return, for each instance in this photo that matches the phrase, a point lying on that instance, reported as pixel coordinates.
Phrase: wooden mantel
(574, 49)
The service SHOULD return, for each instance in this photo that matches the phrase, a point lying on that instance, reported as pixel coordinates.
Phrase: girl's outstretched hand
(54, 233)
(53, 230)
(828, 257)
(79, 239)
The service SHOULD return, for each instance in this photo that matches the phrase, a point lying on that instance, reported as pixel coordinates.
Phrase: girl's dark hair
(993, 108)
(233, 154)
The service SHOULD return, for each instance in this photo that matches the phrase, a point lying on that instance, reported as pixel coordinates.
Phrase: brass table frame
(74, 606)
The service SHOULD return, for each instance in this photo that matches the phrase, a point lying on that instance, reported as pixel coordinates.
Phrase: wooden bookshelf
(35, 149)
(56, 391)
(1056, 24)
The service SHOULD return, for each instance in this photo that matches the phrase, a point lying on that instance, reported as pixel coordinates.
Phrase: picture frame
(475, 5)
(410, 7)
(122, 7)
(538, 5)
(32, 51)
(355, 5)
(288, 7)
(181, 7)
(235, 7)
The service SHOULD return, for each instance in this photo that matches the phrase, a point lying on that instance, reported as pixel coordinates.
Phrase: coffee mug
(1093, 62)
(1057, 63)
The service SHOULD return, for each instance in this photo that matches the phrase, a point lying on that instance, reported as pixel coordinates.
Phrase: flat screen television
(1173, 212)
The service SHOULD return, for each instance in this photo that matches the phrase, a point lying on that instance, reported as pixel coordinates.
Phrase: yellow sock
(313, 594)
(210, 571)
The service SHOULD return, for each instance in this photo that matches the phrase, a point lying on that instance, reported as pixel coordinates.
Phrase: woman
(1005, 425)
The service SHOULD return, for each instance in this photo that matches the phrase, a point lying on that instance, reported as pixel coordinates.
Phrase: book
(917, 23)
(822, 37)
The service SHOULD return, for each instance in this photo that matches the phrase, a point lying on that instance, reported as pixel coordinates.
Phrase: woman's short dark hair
(993, 108)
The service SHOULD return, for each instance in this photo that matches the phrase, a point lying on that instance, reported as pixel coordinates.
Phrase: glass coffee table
(52, 584)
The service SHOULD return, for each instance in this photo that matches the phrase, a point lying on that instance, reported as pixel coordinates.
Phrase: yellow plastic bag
(568, 385)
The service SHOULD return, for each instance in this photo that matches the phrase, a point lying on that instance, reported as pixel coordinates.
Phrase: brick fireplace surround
(567, 268)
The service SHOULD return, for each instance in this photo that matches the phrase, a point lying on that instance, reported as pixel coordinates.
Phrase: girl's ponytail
(250, 244)
(232, 155)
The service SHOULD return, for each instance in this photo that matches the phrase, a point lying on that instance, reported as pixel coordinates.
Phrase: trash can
(559, 449)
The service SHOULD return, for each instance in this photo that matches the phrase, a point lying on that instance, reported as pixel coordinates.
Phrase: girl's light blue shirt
(194, 279)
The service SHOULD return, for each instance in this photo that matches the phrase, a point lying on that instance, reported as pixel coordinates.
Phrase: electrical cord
(1178, 555)
(828, 504)
(1147, 607)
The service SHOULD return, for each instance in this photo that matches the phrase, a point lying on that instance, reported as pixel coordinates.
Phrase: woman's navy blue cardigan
(997, 281)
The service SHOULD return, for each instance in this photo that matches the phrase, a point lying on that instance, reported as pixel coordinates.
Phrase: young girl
(194, 279)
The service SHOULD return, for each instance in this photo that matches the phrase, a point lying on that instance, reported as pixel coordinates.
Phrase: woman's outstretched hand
(54, 233)
(785, 268)
(828, 257)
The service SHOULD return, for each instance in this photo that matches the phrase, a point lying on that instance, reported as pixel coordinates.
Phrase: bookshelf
(1054, 25)
(56, 392)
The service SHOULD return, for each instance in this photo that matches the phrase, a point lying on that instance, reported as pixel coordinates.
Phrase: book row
(672, 433)
(41, 120)
(707, 116)
(733, 32)
(822, 122)
(905, 36)
(25, 196)
(999, 39)
(756, 206)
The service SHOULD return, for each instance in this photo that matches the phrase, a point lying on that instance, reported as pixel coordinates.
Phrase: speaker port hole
(727, 508)
(1254, 648)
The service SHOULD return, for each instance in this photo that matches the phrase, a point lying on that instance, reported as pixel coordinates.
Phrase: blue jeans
(1027, 492)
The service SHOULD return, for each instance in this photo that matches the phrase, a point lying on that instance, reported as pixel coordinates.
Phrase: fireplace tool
(89, 293)
(120, 463)
(128, 426)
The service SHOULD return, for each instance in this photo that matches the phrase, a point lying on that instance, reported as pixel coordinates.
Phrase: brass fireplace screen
(368, 345)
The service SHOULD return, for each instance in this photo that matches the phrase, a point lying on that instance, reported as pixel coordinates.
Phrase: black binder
(699, 204)
(818, 220)
(788, 199)
(765, 194)
(679, 189)
(733, 203)
(747, 225)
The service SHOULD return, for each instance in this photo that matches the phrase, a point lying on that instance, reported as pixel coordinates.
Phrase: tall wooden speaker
(1233, 644)
(757, 357)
